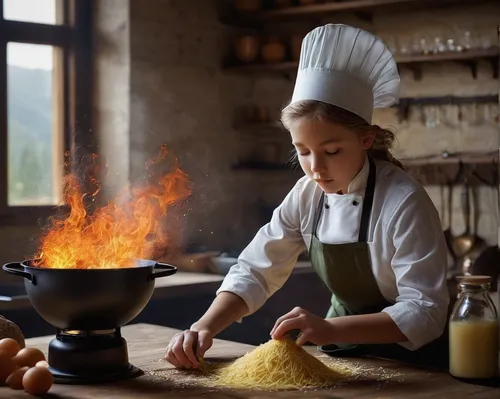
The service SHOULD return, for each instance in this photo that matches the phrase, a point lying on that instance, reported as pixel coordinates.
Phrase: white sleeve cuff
(415, 324)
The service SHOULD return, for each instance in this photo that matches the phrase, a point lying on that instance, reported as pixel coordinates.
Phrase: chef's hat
(347, 67)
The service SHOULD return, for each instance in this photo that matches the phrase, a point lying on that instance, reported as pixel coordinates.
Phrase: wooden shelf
(346, 6)
(412, 61)
(479, 169)
(446, 100)
(449, 56)
(329, 7)
(451, 159)
(468, 57)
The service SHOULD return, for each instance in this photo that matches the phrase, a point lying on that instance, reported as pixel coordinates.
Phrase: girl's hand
(186, 347)
(312, 328)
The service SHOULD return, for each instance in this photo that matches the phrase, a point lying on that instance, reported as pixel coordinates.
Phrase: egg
(42, 363)
(28, 357)
(37, 381)
(9, 345)
(7, 366)
(15, 380)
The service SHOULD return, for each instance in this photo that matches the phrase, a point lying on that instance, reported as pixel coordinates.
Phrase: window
(38, 11)
(43, 46)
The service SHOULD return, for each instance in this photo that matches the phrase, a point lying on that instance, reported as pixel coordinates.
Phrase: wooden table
(146, 345)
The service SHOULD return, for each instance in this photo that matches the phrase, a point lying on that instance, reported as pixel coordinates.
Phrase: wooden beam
(81, 139)
(3, 126)
(406, 60)
(27, 32)
(354, 5)
(30, 215)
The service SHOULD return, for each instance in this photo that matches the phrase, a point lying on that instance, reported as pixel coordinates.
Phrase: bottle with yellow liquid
(473, 332)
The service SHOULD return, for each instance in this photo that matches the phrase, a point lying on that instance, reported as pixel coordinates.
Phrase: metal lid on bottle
(474, 280)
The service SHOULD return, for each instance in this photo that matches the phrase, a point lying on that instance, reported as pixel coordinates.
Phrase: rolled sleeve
(267, 262)
(420, 265)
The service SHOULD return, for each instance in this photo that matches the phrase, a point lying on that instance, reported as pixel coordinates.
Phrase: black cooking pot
(90, 299)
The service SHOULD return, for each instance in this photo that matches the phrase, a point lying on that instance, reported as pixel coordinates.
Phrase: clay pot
(246, 48)
(273, 51)
(247, 5)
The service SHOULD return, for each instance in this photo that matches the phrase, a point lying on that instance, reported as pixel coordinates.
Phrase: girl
(373, 234)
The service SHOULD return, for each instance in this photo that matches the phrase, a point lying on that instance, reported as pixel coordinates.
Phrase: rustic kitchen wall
(433, 130)
(111, 94)
(18, 243)
(158, 80)
(180, 95)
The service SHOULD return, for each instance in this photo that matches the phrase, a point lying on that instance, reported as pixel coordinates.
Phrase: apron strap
(367, 205)
(317, 214)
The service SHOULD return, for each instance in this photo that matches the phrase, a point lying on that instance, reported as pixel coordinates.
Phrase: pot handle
(14, 268)
(167, 270)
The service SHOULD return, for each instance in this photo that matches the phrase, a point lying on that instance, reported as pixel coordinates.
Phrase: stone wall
(159, 81)
(441, 79)
(180, 96)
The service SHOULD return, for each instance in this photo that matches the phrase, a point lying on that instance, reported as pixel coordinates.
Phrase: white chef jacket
(405, 238)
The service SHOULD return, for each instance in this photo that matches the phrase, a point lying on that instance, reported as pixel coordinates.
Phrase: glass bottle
(473, 331)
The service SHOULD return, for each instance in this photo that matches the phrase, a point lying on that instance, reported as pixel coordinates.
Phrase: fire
(114, 235)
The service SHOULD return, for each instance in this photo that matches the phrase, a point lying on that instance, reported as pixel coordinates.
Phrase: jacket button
(355, 203)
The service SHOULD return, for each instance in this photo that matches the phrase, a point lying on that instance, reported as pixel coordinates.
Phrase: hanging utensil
(442, 203)
(448, 234)
(479, 244)
(446, 212)
(464, 242)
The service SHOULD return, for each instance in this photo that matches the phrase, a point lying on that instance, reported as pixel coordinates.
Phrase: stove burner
(90, 357)
(84, 333)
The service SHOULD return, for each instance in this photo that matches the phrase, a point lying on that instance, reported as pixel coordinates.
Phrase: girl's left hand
(312, 328)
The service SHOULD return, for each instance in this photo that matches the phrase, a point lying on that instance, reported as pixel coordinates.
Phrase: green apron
(346, 270)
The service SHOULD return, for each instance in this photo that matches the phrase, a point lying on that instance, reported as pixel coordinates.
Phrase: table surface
(146, 344)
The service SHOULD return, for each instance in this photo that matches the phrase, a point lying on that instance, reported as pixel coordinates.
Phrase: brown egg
(28, 357)
(37, 381)
(7, 366)
(9, 345)
(42, 363)
(15, 380)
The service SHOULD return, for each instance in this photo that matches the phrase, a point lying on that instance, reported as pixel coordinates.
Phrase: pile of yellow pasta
(277, 364)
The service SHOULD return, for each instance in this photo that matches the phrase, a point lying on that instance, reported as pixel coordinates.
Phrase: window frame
(74, 37)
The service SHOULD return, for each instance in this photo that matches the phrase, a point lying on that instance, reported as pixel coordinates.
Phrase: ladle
(464, 242)
(479, 243)
(448, 234)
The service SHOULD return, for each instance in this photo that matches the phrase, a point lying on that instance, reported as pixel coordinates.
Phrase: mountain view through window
(29, 124)
(32, 134)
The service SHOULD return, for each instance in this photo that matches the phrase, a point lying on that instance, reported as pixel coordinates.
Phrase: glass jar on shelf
(474, 332)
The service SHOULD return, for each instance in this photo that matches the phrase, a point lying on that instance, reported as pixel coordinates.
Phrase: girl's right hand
(186, 347)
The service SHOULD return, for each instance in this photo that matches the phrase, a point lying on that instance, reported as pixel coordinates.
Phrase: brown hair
(318, 110)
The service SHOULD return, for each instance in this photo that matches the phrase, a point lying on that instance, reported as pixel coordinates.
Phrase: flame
(116, 234)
